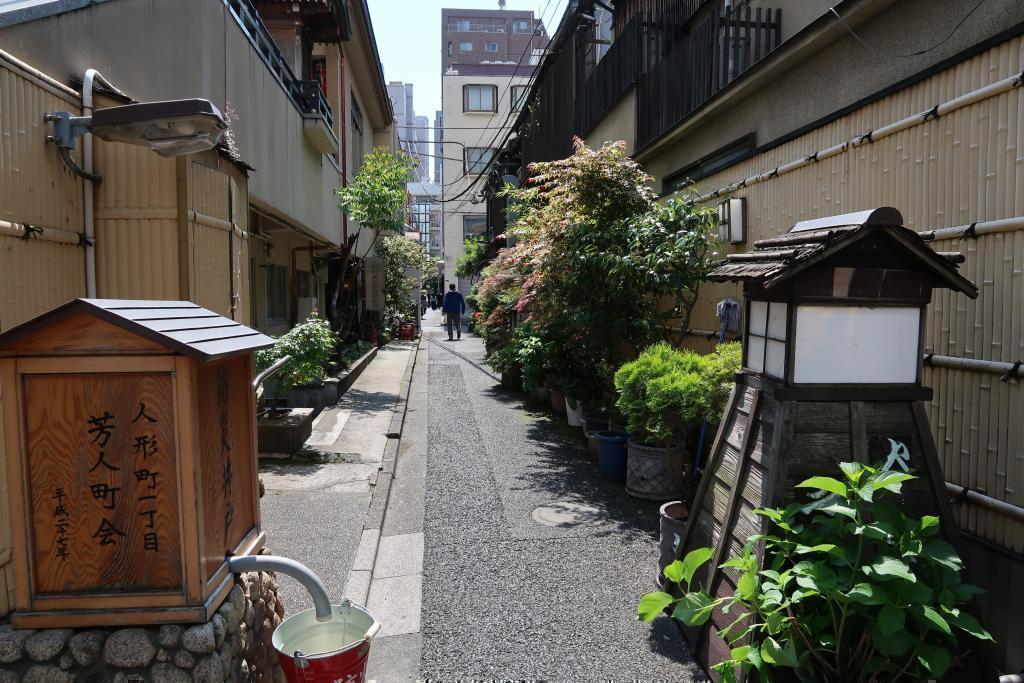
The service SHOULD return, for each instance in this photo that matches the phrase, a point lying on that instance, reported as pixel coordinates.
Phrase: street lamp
(169, 128)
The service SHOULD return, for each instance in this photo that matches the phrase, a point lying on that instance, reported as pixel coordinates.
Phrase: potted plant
(850, 589)
(662, 394)
(301, 381)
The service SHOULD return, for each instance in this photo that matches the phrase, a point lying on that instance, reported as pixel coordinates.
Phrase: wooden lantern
(131, 460)
(832, 344)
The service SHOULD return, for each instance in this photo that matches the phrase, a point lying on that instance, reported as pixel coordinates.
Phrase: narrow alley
(506, 596)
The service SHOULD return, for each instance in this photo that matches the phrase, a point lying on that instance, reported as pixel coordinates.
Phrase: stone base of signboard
(234, 646)
(285, 434)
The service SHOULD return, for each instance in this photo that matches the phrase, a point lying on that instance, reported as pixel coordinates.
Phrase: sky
(409, 40)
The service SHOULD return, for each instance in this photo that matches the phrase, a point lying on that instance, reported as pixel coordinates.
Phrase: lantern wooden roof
(811, 242)
(180, 326)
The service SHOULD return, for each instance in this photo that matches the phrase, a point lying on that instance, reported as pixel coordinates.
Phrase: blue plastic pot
(611, 454)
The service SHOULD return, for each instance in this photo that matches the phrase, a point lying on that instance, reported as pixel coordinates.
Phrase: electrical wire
(917, 53)
(505, 124)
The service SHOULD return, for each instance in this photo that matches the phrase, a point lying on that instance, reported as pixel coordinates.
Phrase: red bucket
(332, 651)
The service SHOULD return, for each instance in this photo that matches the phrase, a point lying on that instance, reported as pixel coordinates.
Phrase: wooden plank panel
(81, 334)
(226, 458)
(101, 469)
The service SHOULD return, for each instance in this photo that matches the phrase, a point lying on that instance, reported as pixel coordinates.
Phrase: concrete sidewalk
(317, 503)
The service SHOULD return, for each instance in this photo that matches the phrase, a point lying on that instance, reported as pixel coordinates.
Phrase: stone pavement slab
(396, 603)
(400, 555)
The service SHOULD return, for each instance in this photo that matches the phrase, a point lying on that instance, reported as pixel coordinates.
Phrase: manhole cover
(568, 514)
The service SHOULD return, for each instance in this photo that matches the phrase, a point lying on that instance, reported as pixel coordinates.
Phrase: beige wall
(618, 124)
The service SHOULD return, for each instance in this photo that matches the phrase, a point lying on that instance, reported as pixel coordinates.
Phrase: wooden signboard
(130, 440)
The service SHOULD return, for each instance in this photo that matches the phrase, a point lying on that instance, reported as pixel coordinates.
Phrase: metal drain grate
(564, 514)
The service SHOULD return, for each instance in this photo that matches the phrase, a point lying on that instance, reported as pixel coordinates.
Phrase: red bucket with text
(332, 651)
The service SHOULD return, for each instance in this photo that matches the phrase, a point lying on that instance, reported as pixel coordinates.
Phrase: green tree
(472, 263)
(401, 257)
(375, 200)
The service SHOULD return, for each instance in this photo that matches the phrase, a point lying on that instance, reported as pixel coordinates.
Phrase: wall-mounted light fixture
(732, 220)
(169, 128)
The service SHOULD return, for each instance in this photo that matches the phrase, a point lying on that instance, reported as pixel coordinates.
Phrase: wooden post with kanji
(131, 461)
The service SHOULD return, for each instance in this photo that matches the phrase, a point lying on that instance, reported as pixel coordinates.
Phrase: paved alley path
(503, 596)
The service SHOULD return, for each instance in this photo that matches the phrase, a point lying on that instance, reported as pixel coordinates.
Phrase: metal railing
(299, 92)
(700, 63)
(476, 28)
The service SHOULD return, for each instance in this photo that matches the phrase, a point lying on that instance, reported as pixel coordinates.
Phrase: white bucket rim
(367, 636)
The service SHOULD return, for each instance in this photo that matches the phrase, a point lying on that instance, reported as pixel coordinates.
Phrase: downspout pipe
(298, 571)
(88, 80)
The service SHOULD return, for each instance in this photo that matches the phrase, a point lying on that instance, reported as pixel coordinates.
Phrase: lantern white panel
(856, 345)
(758, 317)
(777, 320)
(775, 359)
(755, 353)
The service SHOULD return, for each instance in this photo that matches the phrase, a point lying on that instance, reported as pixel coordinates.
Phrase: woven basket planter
(655, 473)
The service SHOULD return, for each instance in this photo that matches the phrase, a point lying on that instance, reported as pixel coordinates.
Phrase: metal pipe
(43, 233)
(1000, 507)
(1009, 370)
(298, 571)
(262, 377)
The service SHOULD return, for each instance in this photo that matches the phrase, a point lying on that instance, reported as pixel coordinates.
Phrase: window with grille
(766, 338)
(491, 47)
(479, 98)
(474, 227)
(466, 46)
(477, 159)
(277, 304)
(519, 93)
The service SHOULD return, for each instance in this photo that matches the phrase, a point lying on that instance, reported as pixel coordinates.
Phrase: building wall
(618, 124)
(456, 139)
(192, 48)
(510, 46)
(955, 170)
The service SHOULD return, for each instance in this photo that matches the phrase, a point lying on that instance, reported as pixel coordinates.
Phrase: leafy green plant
(354, 351)
(665, 391)
(853, 590)
(472, 263)
(310, 345)
(402, 258)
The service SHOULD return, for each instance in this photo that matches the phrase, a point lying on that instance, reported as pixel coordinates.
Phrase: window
(277, 307)
(491, 47)
(521, 26)
(466, 46)
(477, 159)
(519, 93)
(463, 25)
(766, 338)
(357, 137)
(479, 98)
(474, 226)
(712, 163)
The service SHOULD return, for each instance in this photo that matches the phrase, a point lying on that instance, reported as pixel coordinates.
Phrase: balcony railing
(711, 55)
(612, 76)
(512, 58)
(306, 98)
(311, 96)
(476, 28)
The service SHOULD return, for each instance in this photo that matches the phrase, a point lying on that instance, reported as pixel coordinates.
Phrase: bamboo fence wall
(962, 167)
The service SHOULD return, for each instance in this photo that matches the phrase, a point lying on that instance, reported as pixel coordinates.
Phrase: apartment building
(480, 99)
(799, 111)
(413, 130)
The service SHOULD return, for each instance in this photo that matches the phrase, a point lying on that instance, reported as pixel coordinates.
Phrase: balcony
(306, 96)
(713, 53)
(511, 58)
(475, 28)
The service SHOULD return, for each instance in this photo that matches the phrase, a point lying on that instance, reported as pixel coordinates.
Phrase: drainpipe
(300, 572)
(91, 75)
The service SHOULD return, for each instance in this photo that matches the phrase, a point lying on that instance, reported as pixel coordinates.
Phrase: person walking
(453, 306)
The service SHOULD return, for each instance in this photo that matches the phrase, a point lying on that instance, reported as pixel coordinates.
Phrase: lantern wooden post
(131, 460)
(832, 355)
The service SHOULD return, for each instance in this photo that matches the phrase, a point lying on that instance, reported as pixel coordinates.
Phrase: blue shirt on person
(453, 303)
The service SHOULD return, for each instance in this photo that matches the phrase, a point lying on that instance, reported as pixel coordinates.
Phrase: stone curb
(347, 378)
(374, 520)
